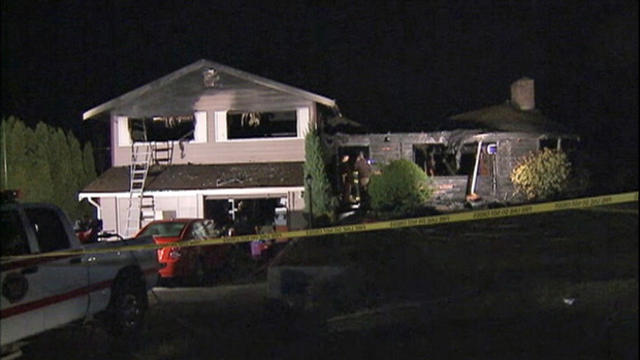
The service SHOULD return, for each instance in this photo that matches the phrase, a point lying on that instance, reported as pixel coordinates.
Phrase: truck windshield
(164, 229)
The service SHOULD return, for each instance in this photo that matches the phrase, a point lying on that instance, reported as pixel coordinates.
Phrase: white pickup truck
(43, 293)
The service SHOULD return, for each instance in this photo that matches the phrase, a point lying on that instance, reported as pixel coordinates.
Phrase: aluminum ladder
(139, 205)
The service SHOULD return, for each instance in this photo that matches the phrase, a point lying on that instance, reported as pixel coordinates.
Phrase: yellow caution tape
(345, 229)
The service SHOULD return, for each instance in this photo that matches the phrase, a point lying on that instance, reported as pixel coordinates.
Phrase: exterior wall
(184, 206)
(224, 152)
(114, 207)
(511, 146)
(384, 148)
(108, 208)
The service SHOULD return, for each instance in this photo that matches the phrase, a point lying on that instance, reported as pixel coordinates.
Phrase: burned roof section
(192, 177)
(503, 117)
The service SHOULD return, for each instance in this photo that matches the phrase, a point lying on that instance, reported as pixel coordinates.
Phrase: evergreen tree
(46, 165)
(88, 164)
(323, 202)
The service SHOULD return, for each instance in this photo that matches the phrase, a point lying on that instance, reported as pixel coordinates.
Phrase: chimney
(523, 94)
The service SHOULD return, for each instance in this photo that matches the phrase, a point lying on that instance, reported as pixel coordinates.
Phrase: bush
(542, 175)
(401, 188)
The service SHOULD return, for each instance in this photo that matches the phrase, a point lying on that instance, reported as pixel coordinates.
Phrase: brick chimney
(523, 94)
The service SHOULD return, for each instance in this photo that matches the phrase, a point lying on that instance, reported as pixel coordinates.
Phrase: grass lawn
(562, 284)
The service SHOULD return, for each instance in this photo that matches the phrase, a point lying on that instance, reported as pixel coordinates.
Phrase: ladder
(139, 204)
(162, 152)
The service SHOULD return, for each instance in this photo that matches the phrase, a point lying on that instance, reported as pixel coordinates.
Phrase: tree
(323, 203)
(45, 164)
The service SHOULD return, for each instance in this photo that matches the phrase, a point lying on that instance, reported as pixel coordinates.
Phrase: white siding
(303, 119)
(200, 131)
(124, 137)
(220, 118)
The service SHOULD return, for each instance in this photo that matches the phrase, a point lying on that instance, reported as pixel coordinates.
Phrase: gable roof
(200, 66)
(201, 177)
(503, 117)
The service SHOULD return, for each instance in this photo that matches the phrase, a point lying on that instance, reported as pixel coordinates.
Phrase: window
(568, 145)
(551, 143)
(434, 159)
(170, 229)
(247, 125)
(467, 159)
(243, 125)
(188, 127)
(14, 239)
(50, 232)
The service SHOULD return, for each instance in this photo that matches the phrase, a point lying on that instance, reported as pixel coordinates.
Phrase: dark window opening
(49, 230)
(548, 144)
(568, 145)
(14, 239)
(162, 128)
(467, 159)
(244, 216)
(434, 159)
(249, 125)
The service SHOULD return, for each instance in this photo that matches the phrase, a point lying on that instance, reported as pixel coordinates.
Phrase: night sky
(394, 67)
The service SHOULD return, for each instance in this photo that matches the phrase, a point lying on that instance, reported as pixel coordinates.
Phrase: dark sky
(394, 67)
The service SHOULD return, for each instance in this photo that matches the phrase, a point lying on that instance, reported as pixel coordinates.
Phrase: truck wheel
(128, 305)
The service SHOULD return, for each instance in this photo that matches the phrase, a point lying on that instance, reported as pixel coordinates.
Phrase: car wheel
(127, 307)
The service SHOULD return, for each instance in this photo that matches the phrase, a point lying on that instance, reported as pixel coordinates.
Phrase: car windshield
(164, 229)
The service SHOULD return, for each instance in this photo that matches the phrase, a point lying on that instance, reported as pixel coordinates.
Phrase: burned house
(206, 141)
(470, 155)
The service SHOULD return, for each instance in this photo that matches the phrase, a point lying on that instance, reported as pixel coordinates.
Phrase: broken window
(162, 128)
(548, 143)
(250, 125)
(568, 145)
(467, 159)
(434, 159)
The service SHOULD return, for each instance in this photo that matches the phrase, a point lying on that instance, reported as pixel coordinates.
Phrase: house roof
(198, 177)
(503, 117)
(195, 87)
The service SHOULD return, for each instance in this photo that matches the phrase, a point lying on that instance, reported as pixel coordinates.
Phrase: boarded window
(251, 125)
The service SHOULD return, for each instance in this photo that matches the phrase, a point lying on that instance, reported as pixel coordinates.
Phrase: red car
(186, 263)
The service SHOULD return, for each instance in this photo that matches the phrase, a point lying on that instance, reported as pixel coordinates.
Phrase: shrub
(542, 175)
(400, 189)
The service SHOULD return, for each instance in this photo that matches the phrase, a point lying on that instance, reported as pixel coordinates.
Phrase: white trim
(475, 168)
(302, 121)
(220, 126)
(124, 136)
(204, 192)
(200, 127)
(199, 66)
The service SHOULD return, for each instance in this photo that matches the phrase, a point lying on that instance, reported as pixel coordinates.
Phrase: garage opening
(246, 216)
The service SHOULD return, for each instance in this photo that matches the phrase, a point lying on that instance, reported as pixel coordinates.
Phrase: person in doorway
(346, 178)
(364, 171)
